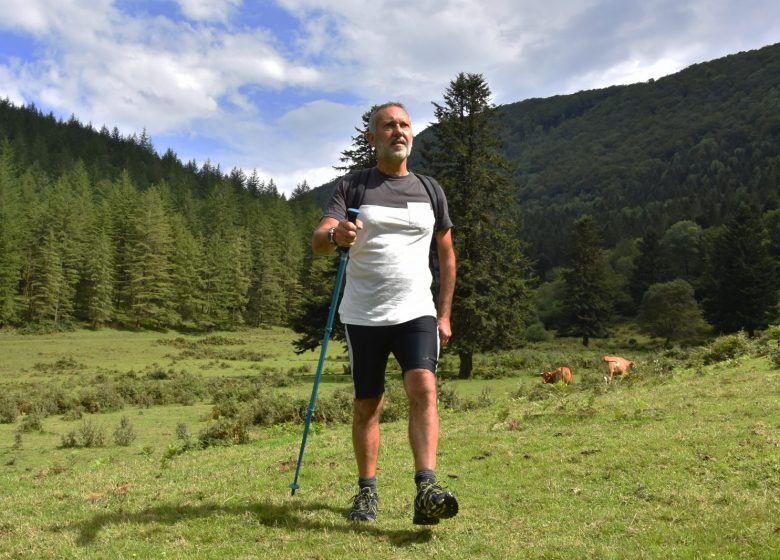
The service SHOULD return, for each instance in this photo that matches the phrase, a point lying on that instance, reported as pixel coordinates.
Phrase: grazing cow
(616, 364)
(561, 374)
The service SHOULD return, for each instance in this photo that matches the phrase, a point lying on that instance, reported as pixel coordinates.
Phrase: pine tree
(586, 302)
(187, 271)
(226, 279)
(99, 270)
(48, 290)
(60, 241)
(362, 154)
(122, 200)
(11, 249)
(647, 268)
(149, 270)
(742, 290)
(492, 303)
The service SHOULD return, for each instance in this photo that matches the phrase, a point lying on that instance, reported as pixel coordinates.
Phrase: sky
(279, 86)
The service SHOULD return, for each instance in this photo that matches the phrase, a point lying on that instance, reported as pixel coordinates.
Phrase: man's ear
(370, 137)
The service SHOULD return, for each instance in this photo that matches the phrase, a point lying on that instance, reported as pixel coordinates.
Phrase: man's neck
(393, 169)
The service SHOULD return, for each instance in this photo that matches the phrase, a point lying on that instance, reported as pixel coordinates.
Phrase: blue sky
(278, 86)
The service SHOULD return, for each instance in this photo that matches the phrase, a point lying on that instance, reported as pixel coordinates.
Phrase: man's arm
(446, 283)
(344, 234)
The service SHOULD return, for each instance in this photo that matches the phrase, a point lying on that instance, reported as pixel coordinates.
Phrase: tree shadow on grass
(293, 516)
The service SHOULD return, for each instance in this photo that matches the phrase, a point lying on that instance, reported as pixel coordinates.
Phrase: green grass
(684, 465)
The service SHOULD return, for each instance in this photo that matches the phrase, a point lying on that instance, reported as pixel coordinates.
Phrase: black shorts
(415, 344)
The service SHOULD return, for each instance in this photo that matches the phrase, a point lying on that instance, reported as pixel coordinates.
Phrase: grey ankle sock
(367, 483)
(425, 475)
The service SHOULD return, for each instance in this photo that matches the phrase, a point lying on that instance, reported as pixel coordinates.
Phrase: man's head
(390, 132)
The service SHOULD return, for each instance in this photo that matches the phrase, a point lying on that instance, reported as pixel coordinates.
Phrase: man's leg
(365, 442)
(420, 386)
(432, 502)
(365, 434)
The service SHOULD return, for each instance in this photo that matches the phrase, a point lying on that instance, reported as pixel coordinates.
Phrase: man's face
(394, 136)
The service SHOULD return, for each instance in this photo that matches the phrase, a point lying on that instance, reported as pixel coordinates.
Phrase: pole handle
(352, 214)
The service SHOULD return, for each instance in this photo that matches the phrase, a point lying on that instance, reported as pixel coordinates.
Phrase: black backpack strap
(356, 187)
(434, 193)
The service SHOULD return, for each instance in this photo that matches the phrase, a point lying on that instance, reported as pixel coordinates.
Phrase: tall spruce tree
(492, 303)
(123, 200)
(647, 267)
(187, 271)
(361, 155)
(587, 299)
(743, 289)
(99, 270)
(11, 250)
(149, 272)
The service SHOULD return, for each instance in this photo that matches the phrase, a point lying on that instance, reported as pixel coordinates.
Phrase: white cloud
(208, 10)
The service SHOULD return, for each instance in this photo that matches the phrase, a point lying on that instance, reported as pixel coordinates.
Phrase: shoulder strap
(432, 188)
(356, 187)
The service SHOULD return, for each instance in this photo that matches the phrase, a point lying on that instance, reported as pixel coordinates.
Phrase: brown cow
(561, 374)
(616, 364)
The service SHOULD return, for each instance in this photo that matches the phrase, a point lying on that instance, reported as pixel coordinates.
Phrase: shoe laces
(362, 500)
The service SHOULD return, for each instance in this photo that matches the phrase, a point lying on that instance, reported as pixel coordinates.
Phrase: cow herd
(613, 365)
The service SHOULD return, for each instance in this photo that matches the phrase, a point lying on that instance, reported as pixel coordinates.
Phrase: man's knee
(420, 385)
(367, 410)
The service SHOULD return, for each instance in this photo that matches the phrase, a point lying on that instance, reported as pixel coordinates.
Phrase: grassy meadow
(167, 445)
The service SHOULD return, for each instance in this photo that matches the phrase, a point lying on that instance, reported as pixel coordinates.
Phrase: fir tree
(187, 271)
(361, 155)
(149, 270)
(123, 201)
(11, 249)
(492, 303)
(586, 294)
(742, 290)
(99, 271)
(647, 267)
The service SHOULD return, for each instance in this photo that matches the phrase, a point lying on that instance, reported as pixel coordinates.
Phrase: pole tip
(294, 487)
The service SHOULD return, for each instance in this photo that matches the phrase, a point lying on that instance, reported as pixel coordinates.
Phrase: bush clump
(124, 434)
(225, 431)
(9, 410)
(728, 347)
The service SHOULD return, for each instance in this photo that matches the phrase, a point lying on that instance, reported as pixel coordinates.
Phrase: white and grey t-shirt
(388, 278)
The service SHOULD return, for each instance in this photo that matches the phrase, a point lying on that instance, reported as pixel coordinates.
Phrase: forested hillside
(644, 156)
(98, 228)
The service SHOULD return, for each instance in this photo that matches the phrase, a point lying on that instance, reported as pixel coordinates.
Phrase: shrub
(91, 435)
(337, 408)
(8, 410)
(124, 434)
(728, 347)
(182, 433)
(32, 422)
(70, 440)
(774, 356)
(73, 414)
(225, 431)
(536, 332)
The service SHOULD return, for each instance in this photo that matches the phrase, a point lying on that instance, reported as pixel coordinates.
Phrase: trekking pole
(352, 214)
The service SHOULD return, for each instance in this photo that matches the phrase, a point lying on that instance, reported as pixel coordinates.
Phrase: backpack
(356, 188)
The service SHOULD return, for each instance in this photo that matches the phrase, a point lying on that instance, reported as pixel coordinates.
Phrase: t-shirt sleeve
(446, 222)
(337, 205)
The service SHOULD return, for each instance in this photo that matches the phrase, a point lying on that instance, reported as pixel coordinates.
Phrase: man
(388, 307)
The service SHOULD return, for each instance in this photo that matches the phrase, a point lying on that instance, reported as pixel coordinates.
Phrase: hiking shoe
(433, 503)
(364, 506)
